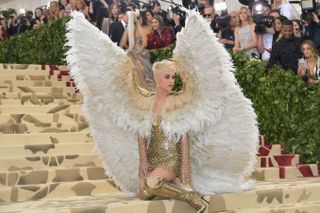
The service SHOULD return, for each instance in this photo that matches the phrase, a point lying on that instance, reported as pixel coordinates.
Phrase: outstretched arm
(143, 166)
(185, 163)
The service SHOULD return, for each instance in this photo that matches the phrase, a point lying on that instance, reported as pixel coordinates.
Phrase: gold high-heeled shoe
(157, 186)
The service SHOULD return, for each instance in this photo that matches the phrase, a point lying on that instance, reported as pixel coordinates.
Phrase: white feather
(220, 120)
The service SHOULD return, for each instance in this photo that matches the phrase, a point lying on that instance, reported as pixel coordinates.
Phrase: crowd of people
(270, 33)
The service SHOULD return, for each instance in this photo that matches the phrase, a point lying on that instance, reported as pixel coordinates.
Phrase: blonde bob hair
(159, 67)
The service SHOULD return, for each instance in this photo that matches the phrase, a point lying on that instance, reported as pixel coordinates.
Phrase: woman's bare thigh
(162, 172)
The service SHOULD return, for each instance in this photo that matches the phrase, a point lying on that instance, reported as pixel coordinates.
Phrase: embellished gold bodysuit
(162, 152)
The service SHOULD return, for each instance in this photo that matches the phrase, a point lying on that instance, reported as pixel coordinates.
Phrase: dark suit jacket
(116, 31)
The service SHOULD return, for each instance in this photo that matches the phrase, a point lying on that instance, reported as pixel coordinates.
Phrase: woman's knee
(164, 173)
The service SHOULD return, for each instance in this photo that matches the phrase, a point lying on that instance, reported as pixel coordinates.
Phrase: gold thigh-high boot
(157, 186)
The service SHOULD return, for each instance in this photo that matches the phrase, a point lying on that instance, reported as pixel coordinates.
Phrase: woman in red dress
(161, 36)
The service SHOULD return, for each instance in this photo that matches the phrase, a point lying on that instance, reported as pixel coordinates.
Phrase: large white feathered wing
(96, 63)
(224, 132)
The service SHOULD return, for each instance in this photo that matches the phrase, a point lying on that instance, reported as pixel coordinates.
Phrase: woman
(163, 159)
(297, 28)
(83, 8)
(54, 11)
(309, 68)
(111, 17)
(183, 136)
(277, 30)
(65, 8)
(135, 42)
(246, 39)
(40, 18)
(3, 30)
(147, 17)
(161, 36)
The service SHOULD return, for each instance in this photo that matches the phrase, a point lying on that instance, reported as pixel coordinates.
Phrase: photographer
(264, 29)
(13, 24)
(311, 27)
(210, 15)
(226, 25)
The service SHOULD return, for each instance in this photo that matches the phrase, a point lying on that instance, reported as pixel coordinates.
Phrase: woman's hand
(235, 50)
(301, 71)
(312, 81)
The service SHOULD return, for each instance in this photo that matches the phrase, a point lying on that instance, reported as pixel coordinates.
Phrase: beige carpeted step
(40, 109)
(52, 175)
(40, 119)
(271, 160)
(25, 77)
(266, 174)
(67, 90)
(25, 96)
(298, 195)
(271, 193)
(305, 207)
(49, 100)
(45, 138)
(24, 72)
(46, 149)
(32, 83)
(19, 163)
(294, 172)
(4, 66)
(30, 128)
(61, 190)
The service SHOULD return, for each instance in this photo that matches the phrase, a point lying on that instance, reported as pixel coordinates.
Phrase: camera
(175, 9)
(262, 23)
(308, 7)
(146, 6)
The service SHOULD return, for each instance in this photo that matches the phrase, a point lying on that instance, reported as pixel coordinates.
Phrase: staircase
(47, 163)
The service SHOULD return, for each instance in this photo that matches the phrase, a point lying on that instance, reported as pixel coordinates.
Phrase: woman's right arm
(143, 166)
(124, 40)
(236, 41)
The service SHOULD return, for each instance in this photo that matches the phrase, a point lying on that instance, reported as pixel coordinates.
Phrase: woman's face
(149, 16)
(64, 2)
(243, 15)
(54, 6)
(277, 25)
(307, 51)
(115, 10)
(79, 4)
(165, 80)
(296, 26)
(38, 13)
(155, 24)
(3, 23)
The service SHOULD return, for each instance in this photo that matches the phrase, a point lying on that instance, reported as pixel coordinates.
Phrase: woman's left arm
(185, 163)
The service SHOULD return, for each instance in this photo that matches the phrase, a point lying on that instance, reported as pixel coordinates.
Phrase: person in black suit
(117, 29)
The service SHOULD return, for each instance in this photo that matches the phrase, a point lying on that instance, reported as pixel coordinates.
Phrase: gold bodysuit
(162, 152)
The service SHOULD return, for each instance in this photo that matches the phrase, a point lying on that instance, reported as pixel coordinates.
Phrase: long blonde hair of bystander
(249, 16)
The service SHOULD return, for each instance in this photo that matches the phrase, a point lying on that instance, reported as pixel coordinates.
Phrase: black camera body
(262, 23)
(176, 9)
